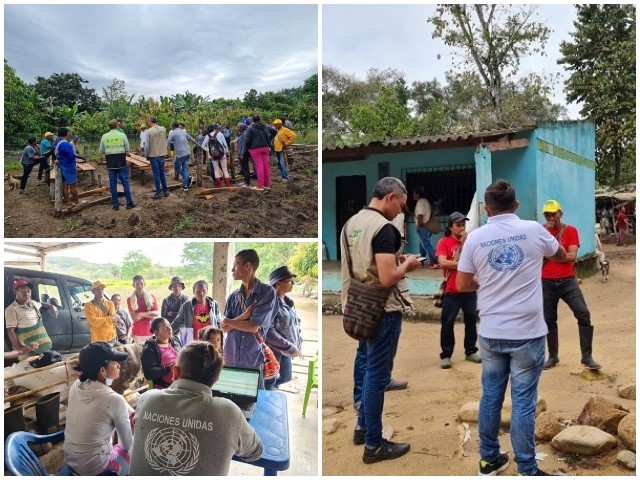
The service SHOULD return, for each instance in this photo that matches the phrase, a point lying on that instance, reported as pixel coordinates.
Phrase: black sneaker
(156, 197)
(131, 205)
(358, 436)
(386, 451)
(116, 207)
(166, 194)
(493, 468)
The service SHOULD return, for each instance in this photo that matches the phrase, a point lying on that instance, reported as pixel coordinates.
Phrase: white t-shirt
(22, 316)
(422, 208)
(506, 254)
(398, 222)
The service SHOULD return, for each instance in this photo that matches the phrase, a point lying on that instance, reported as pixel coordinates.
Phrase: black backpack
(216, 150)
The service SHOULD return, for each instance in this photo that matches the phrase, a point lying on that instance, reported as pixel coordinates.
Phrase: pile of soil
(287, 210)
(425, 414)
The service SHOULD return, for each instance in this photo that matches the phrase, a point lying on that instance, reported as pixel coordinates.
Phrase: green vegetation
(184, 223)
(63, 99)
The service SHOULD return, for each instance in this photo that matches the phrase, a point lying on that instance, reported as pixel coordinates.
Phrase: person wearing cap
(23, 322)
(257, 142)
(171, 304)
(180, 139)
(101, 315)
(375, 245)
(184, 430)
(65, 157)
(30, 159)
(218, 165)
(95, 412)
(45, 150)
(115, 147)
(226, 132)
(143, 307)
(559, 283)
(448, 252)
(423, 213)
(502, 260)
(159, 353)
(284, 138)
(155, 149)
(249, 312)
(124, 323)
(202, 311)
(284, 337)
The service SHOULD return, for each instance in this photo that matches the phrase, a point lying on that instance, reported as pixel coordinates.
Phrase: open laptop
(240, 385)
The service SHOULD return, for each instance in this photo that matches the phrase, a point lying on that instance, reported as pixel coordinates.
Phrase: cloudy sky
(216, 50)
(356, 38)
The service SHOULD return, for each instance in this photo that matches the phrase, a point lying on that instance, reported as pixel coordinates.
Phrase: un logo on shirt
(506, 257)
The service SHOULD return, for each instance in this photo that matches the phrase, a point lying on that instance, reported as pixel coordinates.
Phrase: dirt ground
(425, 414)
(288, 210)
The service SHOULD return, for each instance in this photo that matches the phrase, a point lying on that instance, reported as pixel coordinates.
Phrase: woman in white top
(94, 412)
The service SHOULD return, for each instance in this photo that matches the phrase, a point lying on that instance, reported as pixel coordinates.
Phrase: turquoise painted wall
(565, 168)
(369, 167)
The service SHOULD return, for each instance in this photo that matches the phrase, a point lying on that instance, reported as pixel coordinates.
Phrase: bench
(87, 167)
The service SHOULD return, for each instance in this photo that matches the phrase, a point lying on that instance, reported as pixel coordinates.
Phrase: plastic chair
(312, 382)
(20, 460)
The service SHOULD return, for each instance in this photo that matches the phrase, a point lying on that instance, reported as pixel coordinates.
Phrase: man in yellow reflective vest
(115, 147)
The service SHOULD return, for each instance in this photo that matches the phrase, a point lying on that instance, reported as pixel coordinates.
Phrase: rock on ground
(627, 391)
(469, 411)
(584, 440)
(603, 414)
(627, 459)
(330, 425)
(547, 426)
(627, 431)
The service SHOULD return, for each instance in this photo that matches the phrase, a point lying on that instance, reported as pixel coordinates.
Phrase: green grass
(12, 166)
(184, 223)
(310, 138)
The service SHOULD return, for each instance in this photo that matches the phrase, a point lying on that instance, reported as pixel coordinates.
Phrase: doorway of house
(351, 196)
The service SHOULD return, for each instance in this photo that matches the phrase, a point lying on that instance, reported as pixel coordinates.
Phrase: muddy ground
(426, 413)
(289, 210)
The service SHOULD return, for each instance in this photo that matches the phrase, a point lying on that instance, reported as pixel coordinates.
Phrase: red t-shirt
(551, 269)
(622, 221)
(448, 246)
(201, 318)
(141, 327)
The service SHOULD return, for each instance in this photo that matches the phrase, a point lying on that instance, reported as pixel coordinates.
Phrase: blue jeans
(123, 175)
(282, 166)
(521, 360)
(181, 166)
(568, 290)
(380, 352)
(451, 305)
(426, 249)
(159, 178)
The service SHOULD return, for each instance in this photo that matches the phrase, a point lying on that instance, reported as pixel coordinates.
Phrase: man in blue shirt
(249, 312)
(66, 157)
(180, 140)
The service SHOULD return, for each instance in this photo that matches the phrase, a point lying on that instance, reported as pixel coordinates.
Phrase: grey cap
(456, 217)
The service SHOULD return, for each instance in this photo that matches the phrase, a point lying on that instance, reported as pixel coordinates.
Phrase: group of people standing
(510, 271)
(186, 343)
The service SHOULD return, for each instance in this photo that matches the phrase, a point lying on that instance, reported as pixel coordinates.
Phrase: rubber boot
(219, 182)
(552, 343)
(586, 342)
(13, 420)
(227, 181)
(48, 413)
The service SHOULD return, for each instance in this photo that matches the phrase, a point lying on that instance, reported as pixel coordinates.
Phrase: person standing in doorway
(423, 212)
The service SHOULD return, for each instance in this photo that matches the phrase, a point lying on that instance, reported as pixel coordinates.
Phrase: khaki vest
(362, 229)
(157, 138)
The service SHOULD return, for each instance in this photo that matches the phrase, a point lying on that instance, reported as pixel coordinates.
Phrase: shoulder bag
(271, 364)
(365, 303)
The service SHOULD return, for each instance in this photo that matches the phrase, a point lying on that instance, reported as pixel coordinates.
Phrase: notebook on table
(240, 385)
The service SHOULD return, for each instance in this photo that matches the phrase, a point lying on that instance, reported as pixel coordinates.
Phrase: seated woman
(159, 354)
(94, 412)
(214, 336)
(284, 337)
(202, 311)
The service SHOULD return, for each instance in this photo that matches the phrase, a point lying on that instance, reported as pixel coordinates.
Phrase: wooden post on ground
(99, 179)
(58, 189)
(199, 174)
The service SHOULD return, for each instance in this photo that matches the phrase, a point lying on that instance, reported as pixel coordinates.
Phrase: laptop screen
(238, 381)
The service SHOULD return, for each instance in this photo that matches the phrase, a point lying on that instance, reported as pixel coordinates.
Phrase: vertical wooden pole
(58, 189)
(223, 254)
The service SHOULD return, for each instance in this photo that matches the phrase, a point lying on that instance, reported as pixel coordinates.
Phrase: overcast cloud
(215, 50)
(356, 38)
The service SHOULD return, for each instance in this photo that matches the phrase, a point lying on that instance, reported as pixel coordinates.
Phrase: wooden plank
(90, 203)
(88, 193)
(206, 191)
(174, 186)
(85, 167)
